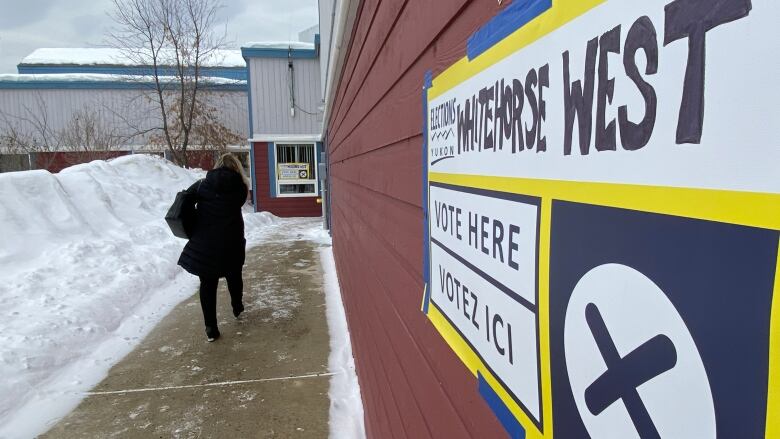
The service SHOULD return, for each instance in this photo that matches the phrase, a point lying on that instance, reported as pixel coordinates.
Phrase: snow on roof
(100, 77)
(295, 45)
(112, 56)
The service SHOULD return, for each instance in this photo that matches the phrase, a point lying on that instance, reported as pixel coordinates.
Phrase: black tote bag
(181, 215)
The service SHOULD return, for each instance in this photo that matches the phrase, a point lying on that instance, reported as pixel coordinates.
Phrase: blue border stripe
(507, 419)
(254, 179)
(251, 129)
(512, 18)
(328, 184)
(316, 172)
(272, 169)
(428, 81)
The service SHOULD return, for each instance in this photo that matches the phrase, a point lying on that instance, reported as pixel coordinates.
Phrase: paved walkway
(266, 376)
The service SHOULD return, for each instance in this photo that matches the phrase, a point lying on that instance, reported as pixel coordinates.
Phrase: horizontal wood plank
(406, 370)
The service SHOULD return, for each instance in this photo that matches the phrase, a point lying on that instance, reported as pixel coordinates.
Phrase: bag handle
(200, 182)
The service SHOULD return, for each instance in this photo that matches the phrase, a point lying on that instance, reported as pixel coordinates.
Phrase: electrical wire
(291, 81)
(305, 112)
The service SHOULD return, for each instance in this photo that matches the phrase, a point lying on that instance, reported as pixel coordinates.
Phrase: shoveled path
(175, 384)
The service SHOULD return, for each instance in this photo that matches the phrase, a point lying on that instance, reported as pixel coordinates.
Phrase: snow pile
(346, 406)
(255, 226)
(89, 267)
(40, 210)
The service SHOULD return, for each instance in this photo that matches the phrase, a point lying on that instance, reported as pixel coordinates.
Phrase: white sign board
(294, 171)
(601, 180)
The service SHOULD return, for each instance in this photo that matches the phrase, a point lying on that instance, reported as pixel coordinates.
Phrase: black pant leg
(208, 300)
(235, 285)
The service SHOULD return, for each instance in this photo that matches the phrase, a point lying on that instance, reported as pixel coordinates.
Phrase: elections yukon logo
(659, 320)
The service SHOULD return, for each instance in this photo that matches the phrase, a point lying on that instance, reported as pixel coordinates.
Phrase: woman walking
(216, 245)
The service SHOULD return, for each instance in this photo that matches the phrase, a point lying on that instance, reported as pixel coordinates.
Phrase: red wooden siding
(201, 159)
(284, 207)
(57, 161)
(412, 383)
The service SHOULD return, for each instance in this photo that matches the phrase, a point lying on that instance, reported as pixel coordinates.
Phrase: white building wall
(126, 112)
(271, 103)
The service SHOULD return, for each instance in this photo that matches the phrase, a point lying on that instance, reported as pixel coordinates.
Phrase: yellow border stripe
(562, 12)
(456, 342)
(543, 314)
(475, 364)
(743, 208)
(773, 393)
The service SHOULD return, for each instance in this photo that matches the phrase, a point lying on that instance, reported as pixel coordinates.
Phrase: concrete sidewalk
(266, 376)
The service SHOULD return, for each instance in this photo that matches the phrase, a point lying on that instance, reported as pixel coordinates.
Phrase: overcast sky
(26, 25)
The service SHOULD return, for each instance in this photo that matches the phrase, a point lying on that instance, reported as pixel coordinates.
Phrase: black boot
(212, 333)
(238, 309)
(236, 288)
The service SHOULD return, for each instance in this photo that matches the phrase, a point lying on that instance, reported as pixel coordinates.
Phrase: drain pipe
(337, 43)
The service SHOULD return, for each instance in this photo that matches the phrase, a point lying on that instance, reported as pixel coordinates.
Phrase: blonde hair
(230, 161)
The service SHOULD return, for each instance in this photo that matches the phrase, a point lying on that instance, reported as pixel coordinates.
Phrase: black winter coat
(216, 245)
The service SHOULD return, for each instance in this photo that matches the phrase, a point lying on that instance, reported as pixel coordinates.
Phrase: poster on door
(602, 217)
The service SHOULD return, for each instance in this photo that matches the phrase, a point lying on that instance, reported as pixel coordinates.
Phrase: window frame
(313, 181)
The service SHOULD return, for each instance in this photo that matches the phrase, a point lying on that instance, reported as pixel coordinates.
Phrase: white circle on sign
(302, 174)
(635, 312)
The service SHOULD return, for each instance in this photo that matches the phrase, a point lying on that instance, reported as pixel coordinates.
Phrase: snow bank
(89, 267)
(255, 225)
(346, 407)
(40, 210)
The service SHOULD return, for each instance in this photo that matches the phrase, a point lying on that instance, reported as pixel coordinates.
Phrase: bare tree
(207, 131)
(174, 38)
(30, 131)
(88, 136)
(85, 136)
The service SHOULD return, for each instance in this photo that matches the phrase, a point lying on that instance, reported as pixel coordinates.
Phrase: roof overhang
(345, 17)
(282, 49)
(282, 138)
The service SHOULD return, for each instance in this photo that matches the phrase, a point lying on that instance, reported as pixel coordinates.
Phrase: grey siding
(271, 97)
(125, 112)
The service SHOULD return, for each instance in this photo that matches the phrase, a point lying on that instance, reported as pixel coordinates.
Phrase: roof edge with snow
(281, 49)
(103, 56)
(285, 138)
(104, 81)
